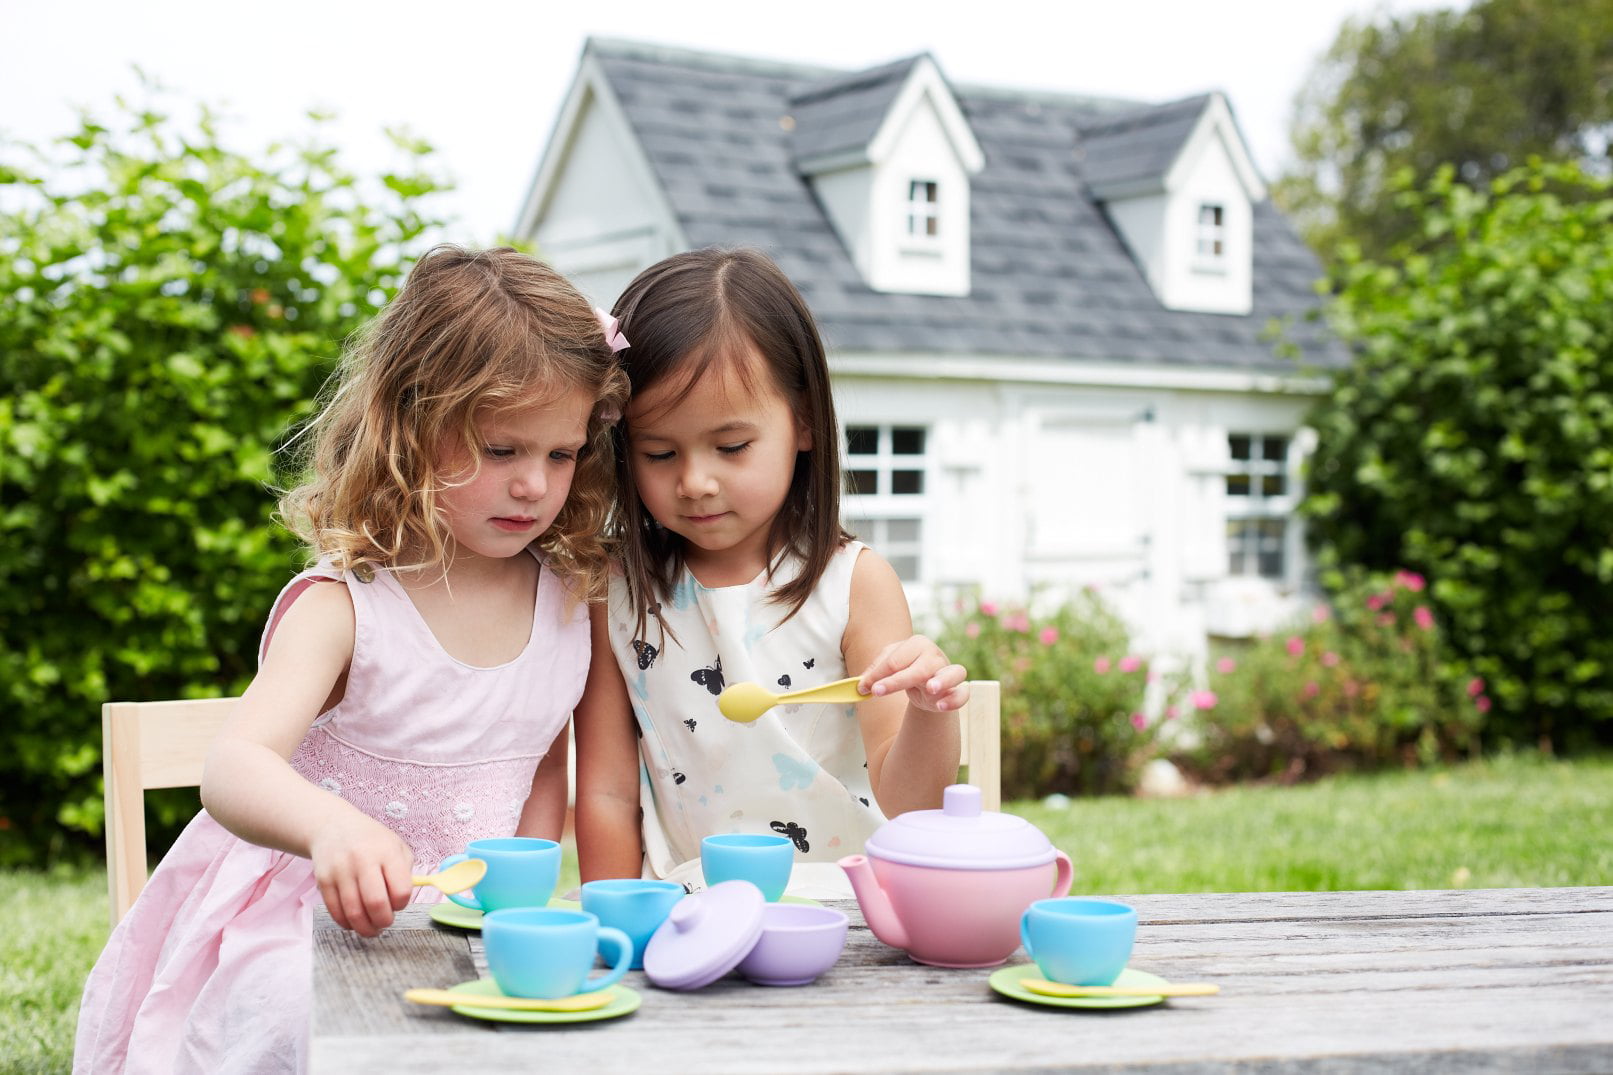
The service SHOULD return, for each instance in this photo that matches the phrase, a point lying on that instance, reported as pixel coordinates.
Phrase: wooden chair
(980, 725)
(148, 745)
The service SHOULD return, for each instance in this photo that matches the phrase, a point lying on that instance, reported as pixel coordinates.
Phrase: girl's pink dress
(211, 969)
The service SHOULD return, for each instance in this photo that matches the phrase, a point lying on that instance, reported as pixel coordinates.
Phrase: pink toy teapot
(950, 885)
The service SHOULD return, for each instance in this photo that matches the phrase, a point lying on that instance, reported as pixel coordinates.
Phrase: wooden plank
(366, 997)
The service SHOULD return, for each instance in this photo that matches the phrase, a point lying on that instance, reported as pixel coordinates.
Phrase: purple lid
(705, 936)
(960, 836)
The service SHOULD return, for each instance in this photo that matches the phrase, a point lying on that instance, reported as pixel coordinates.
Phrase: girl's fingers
(333, 903)
(377, 897)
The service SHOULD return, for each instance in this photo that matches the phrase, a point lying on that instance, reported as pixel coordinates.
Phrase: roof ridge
(857, 80)
(637, 48)
(1149, 115)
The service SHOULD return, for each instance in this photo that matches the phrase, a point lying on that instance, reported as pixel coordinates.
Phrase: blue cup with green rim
(521, 872)
(546, 952)
(763, 859)
(1077, 940)
(636, 906)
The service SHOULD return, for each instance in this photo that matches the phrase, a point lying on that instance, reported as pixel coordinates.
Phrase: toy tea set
(955, 887)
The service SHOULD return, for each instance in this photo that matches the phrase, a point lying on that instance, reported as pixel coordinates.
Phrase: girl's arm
(609, 842)
(909, 721)
(545, 812)
(362, 867)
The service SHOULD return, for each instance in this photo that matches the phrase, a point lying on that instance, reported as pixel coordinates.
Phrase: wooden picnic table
(1487, 980)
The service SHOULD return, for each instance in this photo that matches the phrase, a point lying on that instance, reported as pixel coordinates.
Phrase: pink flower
(1204, 699)
(1375, 602)
(1049, 635)
(1482, 703)
(1330, 659)
(1170, 712)
(988, 608)
(1226, 666)
(1321, 614)
(1101, 666)
(1410, 580)
(1475, 687)
(1296, 646)
(1129, 663)
(1351, 688)
(1424, 618)
(1386, 620)
(1312, 689)
(1139, 721)
(1017, 622)
(972, 630)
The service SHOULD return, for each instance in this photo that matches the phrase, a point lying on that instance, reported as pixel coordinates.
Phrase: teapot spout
(876, 906)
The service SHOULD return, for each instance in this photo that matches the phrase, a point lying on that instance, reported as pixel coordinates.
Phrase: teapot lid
(960, 836)
(705, 936)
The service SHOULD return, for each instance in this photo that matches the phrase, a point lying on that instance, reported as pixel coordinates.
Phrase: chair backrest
(980, 725)
(148, 745)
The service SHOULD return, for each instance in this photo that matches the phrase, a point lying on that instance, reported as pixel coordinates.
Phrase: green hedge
(173, 309)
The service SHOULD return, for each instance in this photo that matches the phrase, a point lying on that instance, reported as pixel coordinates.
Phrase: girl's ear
(803, 437)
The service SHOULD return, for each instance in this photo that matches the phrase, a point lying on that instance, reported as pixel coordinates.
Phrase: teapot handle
(1065, 875)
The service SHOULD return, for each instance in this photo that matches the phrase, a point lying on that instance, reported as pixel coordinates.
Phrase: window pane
(862, 482)
(907, 481)
(862, 440)
(1239, 445)
(932, 226)
(902, 529)
(1274, 449)
(907, 441)
(1237, 535)
(1273, 485)
(1237, 485)
(907, 567)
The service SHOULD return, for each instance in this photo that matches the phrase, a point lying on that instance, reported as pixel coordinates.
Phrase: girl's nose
(696, 481)
(530, 483)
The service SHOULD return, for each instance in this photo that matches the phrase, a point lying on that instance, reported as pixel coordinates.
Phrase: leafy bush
(1365, 685)
(1073, 713)
(172, 309)
(1472, 438)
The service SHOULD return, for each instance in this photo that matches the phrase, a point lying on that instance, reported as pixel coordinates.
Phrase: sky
(483, 81)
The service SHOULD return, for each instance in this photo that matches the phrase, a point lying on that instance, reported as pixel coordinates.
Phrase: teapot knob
(961, 800)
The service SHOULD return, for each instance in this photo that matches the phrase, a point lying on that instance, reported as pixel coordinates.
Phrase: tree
(1480, 91)
(173, 308)
(1472, 439)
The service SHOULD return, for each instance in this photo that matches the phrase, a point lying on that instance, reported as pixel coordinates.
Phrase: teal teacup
(1079, 941)
(547, 952)
(634, 906)
(521, 872)
(763, 860)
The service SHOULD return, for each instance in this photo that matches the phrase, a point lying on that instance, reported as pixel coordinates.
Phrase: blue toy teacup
(521, 872)
(547, 952)
(1079, 941)
(762, 859)
(635, 906)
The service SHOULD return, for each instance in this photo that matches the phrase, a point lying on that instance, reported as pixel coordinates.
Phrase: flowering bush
(1072, 694)
(1365, 683)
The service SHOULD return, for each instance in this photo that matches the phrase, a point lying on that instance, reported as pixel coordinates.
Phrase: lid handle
(686, 915)
(961, 800)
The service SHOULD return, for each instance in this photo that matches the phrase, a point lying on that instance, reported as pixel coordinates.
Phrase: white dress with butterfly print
(799, 770)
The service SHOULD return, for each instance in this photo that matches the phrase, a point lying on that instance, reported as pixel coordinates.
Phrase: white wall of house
(921, 264)
(1192, 280)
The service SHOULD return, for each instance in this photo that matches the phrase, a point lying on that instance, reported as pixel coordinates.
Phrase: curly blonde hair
(469, 330)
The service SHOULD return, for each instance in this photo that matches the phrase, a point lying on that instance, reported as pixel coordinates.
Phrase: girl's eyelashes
(733, 449)
(657, 457)
(495, 451)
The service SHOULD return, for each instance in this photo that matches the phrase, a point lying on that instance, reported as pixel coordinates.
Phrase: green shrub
(1073, 706)
(172, 309)
(1472, 438)
(1364, 684)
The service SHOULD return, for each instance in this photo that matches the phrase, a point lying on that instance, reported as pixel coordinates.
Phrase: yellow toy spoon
(456, 878)
(744, 702)
(1059, 989)
(447, 998)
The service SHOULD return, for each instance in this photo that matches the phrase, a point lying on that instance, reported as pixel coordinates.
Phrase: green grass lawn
(1507, 822)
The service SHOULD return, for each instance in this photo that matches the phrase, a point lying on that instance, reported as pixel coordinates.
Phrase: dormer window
(1212, 233)
(923, 209)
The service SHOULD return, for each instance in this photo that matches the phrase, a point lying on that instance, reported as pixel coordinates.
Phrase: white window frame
(1257, 507)
(1210, 233)
(873, 516)
(924, 210)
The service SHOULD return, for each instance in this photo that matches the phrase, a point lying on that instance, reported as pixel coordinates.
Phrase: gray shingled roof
(1137, 147)
(843, 113)
(1050, 275)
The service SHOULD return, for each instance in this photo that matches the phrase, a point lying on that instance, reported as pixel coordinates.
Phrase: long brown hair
(468, 330)
(686, 316)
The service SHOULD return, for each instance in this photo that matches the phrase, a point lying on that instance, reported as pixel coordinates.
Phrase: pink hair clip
(612, 329)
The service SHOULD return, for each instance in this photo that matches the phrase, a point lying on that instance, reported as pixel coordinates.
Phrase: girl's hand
(917, 665)
(363, 870)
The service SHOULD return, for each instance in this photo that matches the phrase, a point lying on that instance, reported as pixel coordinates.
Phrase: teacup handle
(1025, 934)
(1063, 878)
(610, 935)
(464, 899)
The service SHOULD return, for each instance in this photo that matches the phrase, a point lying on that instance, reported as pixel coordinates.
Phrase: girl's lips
(514, 525)
(705, 518)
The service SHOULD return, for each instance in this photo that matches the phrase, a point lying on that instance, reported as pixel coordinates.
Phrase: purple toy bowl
(798, 943)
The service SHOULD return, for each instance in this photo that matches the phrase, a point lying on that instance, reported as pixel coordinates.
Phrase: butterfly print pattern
(689, 724)
(646, 654)
(795, 832)
(709, 678)
(794, 772)
(784, 681)
(809, 662)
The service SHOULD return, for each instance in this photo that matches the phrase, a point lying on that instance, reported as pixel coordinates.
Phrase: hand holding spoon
(1059, 989)
(447, 998)
(456, 878)
(744, 702)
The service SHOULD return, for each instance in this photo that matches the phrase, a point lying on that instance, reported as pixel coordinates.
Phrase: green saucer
(1006, 981)
(622, 1001)
(449, 913)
